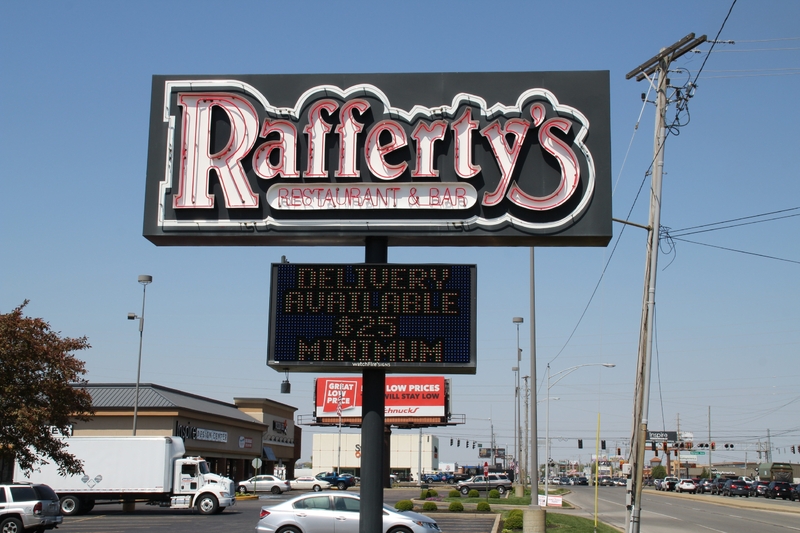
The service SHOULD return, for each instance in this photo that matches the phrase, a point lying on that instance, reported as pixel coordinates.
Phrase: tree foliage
(37, 398)
(658, 472)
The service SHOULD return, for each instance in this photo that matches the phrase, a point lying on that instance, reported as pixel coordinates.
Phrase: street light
(519, 473)
(144, 279)
(563, 373)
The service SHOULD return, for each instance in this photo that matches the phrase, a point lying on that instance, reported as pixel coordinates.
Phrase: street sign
(485, 469)
(697, 453)
(257, 463)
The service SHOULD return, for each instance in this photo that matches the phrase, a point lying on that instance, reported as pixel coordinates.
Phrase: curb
(740, 503)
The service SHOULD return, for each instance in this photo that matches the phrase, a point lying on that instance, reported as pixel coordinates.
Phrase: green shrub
(429, 506)
(513, 521)
(484, 507)
(474, 494)
(494, 494)
(456, 507)
(453, 494)
(432, 493)
(404, 505)
(424, 494)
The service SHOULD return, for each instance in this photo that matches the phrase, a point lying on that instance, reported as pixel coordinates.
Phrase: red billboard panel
(405, 396)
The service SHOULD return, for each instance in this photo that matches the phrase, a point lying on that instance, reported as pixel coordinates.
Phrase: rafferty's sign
(459, 159)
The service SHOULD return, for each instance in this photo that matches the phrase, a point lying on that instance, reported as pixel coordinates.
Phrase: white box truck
(133, 469)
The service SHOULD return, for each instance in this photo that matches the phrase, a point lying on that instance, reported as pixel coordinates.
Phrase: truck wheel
(341, 485)
(11, 525)
(70, 505)
(242, 489)
(451, 481)
(207, 504)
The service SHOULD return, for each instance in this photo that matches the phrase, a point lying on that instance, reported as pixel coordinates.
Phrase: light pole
(563, 373)
(144, 279)
(520, 475)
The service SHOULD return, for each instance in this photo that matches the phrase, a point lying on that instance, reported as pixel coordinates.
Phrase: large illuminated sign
(486, 159)
(400, 318)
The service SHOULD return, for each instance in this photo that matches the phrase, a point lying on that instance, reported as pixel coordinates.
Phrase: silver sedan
(334, 512)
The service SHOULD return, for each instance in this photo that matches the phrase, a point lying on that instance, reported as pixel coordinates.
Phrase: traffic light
(792, 448)
(602, 445)
(666, 447)
(619, 452)
(467, 444)
(451, 442)
(473, 445)
(689, 445)
(458, 443)
(580, 445)
(728, 446)
(713, 446)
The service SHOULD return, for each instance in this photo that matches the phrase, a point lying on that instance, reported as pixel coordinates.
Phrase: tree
(658, 472)
(38, 401)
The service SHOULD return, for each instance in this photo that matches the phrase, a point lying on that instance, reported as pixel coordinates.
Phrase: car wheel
(275, 490)
(289, 529)
(70, 505)
(400, 530)
(207, 504)
(501, 489)
(341, 485)
(316, 488)
(11, 525)
(464, 490)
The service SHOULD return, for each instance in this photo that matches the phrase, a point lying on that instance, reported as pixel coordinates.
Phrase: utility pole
(657, 67)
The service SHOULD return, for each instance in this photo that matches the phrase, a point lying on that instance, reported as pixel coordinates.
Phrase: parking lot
(240, 518)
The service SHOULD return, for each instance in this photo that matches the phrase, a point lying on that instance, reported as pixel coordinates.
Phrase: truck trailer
(134, 469)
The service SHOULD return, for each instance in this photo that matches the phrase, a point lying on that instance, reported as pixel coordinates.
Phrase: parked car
(582, 481)
(340, 481)
(793, 494)
(668, 483)
(778, 489)
(757, 488)
(704, 485)
(565, 481)
(32, 507)
(736, 487)
(657, 483)
(263, 483)
(605, 481)
(717, 485)
(334, 511)
(309, 483)
(686, 485)
(492, 481)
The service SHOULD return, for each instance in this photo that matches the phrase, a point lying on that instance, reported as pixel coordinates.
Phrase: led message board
(399, 318)
(455, 159)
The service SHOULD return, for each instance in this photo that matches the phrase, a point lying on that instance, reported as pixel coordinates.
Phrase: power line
(737, 251)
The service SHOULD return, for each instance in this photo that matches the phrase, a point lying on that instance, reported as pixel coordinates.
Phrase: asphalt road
(240, 518)
(689, 513)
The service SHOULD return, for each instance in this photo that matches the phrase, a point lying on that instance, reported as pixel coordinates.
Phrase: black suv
(736, 487)
(28, 507)
(778, 489)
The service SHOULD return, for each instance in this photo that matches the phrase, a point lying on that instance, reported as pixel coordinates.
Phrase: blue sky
(76, 94)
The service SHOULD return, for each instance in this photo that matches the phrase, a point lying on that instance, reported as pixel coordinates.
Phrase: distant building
(229, 436)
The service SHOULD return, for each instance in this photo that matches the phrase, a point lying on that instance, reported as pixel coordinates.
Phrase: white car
(335, 511)
(263, 483)
(686, 485)
(309, 483)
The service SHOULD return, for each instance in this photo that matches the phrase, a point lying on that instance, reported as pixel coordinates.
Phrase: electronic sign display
(351, 317)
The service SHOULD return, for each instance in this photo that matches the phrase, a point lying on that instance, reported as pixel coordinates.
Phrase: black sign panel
(472, 159)
(662, 436)
(400, 318)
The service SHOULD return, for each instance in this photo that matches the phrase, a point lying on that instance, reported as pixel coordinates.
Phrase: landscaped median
(508, 509)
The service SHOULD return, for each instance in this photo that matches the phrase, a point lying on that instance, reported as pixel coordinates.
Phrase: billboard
(477, 159)
(406, 397)
(399, 318)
